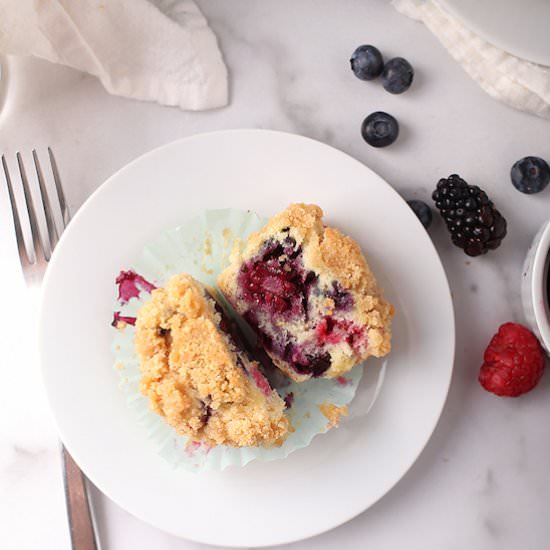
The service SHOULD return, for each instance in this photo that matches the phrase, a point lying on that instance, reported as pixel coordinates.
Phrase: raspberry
(276, 281)
(513, 362)
(333, 331)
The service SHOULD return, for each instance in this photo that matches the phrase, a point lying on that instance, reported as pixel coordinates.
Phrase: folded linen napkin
(161, 50)
(512, 80)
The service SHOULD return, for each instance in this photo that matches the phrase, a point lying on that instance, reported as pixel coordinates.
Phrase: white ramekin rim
(539, 284)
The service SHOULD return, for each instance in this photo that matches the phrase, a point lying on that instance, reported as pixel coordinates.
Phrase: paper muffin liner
(201, 248)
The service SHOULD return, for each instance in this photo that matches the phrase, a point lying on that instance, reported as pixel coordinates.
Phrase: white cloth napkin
(517, 82)
(161, 50)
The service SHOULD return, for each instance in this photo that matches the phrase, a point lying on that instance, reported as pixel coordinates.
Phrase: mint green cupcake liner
(201, 248)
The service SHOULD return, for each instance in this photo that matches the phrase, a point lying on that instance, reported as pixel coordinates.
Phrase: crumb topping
(333, 413)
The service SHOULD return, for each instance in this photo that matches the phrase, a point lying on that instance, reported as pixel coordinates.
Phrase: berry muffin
(308, 292)
(196, 374)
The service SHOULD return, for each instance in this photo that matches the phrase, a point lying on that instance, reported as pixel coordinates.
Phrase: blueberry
(366, 62)
(380, 129)
(530, 175)
(397, 75)
(422, 211)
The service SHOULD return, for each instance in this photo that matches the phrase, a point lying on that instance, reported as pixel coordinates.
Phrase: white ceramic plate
(342, 472)
(519, 27)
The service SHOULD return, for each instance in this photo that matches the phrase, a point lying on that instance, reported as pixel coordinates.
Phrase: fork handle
(78, 506)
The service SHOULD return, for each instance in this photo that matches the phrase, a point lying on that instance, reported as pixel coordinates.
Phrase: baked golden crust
(332, 256)
(191, 373)
(342, 256)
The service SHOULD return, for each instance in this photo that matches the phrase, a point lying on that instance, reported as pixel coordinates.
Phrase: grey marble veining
(482, 482)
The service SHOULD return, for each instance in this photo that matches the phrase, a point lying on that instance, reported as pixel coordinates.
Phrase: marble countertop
(482, 482)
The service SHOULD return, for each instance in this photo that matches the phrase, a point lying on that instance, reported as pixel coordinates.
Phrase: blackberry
(475, 224)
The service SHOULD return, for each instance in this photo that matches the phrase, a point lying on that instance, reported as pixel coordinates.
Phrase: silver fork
(34, 257)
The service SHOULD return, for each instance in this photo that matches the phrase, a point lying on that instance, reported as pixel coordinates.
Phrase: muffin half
(198, 377)
(308, 292)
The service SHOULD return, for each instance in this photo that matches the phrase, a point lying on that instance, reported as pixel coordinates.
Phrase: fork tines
(36, 244)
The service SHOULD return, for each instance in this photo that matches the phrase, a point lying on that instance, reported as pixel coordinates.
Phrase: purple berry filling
(314, 365)
(277, 288)
(276, 283)
(117, 317)
(130, 284)
(343, 300)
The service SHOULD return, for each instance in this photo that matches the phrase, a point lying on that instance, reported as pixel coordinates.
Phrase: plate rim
(104, 188)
